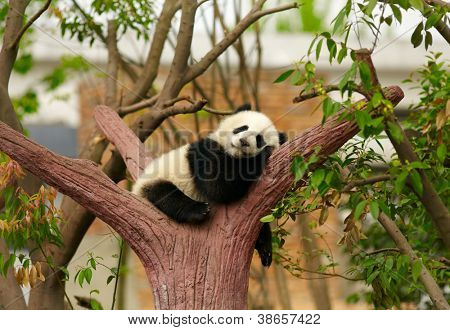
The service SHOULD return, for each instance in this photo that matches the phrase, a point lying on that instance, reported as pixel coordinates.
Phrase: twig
(29, 23)
(57, 277)
(116, 284)
(301, 269)
(363, 182)
(395, 250)
(123, 111)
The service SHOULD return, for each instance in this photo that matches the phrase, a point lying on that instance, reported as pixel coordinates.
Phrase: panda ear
(283, 137)
(244, 107)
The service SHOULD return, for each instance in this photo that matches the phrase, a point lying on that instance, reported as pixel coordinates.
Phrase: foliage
(25, 221)
(341, 182)
(90, 23)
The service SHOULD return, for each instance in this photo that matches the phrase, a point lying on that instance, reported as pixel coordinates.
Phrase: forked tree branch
(215, 256)
(30, 22)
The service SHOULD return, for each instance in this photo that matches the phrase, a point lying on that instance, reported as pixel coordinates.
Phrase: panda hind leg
(174, 203)
(264, 245)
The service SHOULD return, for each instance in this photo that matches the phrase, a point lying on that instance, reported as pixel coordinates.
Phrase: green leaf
(95, 305)
(267, 218)
(416, 269)
(400, 182)
(299, 167)
(441, 152)
(416, 181)
(432, 20)
(397, 13)
(395, 131)
(428, 39)
(317, 177)
(318, 49)
(416, 37)
(109, 279)
(372, 276)
(342, 54)
(374, 209)
(331, 45)
(364, 73)
(418, 4)
(370, 6)
(81, 277)
(376, 99)
(339, 21)
(359, 209)
(389, 263)
(88, 275)
(93, 263)
(284, 76)
(23, 63)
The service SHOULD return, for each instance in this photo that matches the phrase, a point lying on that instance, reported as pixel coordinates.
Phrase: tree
(155, 238)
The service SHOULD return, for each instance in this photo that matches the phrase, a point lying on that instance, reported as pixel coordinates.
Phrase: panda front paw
(195, 213)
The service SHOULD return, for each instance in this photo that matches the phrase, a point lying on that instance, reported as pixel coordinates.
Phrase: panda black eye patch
(240, 129)
(260, 141)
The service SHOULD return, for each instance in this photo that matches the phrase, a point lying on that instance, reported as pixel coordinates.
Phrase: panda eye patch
(260, 141)
(240, 129)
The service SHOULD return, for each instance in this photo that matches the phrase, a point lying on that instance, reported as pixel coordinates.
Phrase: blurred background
(60, 80)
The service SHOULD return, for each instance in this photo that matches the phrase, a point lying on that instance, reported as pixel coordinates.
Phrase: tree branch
(363, 182)
(29, 23)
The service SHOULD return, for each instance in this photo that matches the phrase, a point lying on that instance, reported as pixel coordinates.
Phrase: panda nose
(244, 142)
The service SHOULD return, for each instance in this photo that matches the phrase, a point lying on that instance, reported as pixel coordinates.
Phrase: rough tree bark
(190, 267)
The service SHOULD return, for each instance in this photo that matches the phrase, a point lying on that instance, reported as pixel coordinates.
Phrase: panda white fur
(217, 169)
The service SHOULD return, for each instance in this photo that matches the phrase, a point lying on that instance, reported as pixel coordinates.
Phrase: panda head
(246, 133)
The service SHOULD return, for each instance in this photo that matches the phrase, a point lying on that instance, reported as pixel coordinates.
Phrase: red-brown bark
(190, 267)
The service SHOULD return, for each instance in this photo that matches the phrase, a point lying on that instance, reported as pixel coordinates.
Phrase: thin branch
(428, 281)
(255, 14)
(55, 272)
(328, 275)
(116, 284)
(126, 110)
(363, 182)
(29, 23)
(394, 250)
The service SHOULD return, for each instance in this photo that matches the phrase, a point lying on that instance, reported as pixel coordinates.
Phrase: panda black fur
(217, 169)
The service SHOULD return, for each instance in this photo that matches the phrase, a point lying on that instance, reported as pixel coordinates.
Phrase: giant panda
(217, 169)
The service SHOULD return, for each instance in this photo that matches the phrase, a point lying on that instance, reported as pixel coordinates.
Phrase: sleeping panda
(217, 169)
